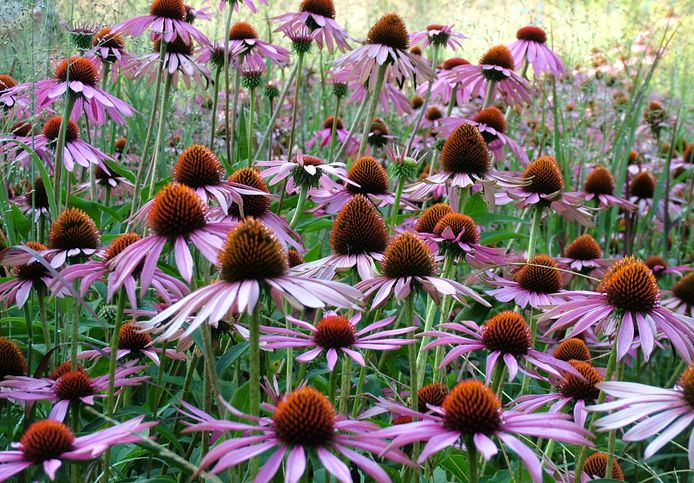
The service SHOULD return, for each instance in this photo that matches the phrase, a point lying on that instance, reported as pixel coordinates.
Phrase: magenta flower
(408, 264)
(584, 253)
(599, 189)
(341, 135)
(133, 343)
(443, 87)
(506, 336)
(86, 274)
(167, 20)
(303, 170)
(438, 35)
(178, 62)
(335, 334)
(302, 423)
(244, 41)
(236, 3)
(109, 48)
(543, 183)
(252, 258)
(49, 443)
(109, 182)
(177, 217)
(319, 17)
(472, 414)
(70, 387)
(531, 49)
(627, 300)
(664, 411)
(681, 300)
(387, 44)
(27, 277)
(389, 95)
(78, 77)
(76, 150)
(537, 283)
(496, 66)
(577, 388)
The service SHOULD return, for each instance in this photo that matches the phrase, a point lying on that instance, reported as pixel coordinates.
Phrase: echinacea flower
(319, 17)
(445, 89)
(258, 207)
(76, 150)
(537, 283)
(178, 62)
(244, 41)
(13, 361)
(111, 184)
(251, 259)
(335, 335)
(35, 203)
(458, 235)
(358, 239)
(86, 274)
(531, 49)
(235, 4)
(386, 45)
(664, 411)
(465, 162)
(72, 234)
(599, 187)
(496, 67)
(408, 264)
(132, 343)
(303, 423)
(438, 35)
(507, 338)
(492, 124)
(48, 443)
(641, 191)
(366, 177)
(6, 83)
(167, 20)
(570, 390)
(110, 49)
(584, 253)
(626, 301)
(27, 277)
(681, 300)
(71, 387)
(77, 77)
(659, 266)
(341, 134)
(472, 415)
(303, 170)
(543, 185)
(390, 97)
(177, 217)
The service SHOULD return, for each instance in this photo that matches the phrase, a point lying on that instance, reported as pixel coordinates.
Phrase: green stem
(420, 114)
(346, 383)
(489, 94)
(534, 231)
(332, 384)
(60, 149)
(453, 100)
(352, 129)
(254, 373)
(472, 460)
(375, 95)
(158, 148)
(360, 386)
(231, 133)
(215, 103)
(74, 336)
(41, 294)
(251, 110)
(299, 206)
(332, 129)
(295, 107)
(412, 355)
(227, 124)
(271, 123)
(30, 336)
(396, 203)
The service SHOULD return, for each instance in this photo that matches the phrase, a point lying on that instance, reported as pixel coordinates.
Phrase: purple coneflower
(132, 343)
(537, 283)
(627, 300)
(543, 185)
(319, 17)
(70, 387)
(390, 97)
(27, 277)
(659, 266)
(252, 258)
(506, 336)
(531, 48)
(13, 361)
(236, 3)
(599, 188)
(303, 170)
(341, 134)
(438, 35)
(303, 423)
(79, 78)
(177, 217)
(358, 239)
(167, 287)
(335, 334)
(76, 150)
(386, 45)
(167, 19)
(408, 263)
(640, 402)
(178, 61)
(682, 296)
(472, 414)
(447, 90)
(110, 49)
(244, 41)
(111, 184)
(494, 72)
(49, 443)
(6, 83)
(584, 254)
(570, 389)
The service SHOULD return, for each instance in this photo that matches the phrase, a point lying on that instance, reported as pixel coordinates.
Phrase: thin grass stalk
(373, 102)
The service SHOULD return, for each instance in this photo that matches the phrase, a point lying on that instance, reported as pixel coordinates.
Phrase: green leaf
(230, 356)
(456, 464)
